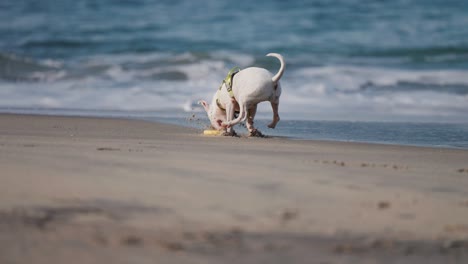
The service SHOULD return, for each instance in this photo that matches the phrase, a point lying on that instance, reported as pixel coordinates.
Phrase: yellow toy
(211, 132)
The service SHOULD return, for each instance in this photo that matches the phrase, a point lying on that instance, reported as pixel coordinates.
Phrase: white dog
(248, 88)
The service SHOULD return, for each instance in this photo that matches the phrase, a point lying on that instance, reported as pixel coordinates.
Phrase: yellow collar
(228, 81)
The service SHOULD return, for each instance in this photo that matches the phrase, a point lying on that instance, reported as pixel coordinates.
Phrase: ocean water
(357, 70)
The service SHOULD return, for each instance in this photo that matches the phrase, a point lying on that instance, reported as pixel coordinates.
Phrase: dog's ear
(205, 105)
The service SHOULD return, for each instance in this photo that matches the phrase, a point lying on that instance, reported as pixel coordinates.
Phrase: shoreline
(193, 123)
(121, 188)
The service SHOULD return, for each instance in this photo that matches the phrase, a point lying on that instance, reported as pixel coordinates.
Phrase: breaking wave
(175, 82)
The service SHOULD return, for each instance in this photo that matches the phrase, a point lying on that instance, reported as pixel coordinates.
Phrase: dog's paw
(274, 122)
(230, 134)
(256, 133)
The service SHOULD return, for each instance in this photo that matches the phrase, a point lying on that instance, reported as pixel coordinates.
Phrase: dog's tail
(278, 75)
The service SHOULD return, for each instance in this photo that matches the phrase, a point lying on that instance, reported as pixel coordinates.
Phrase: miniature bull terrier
(240, 93)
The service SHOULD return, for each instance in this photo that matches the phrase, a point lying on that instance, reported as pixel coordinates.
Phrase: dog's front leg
(276, 118)
(230, 110)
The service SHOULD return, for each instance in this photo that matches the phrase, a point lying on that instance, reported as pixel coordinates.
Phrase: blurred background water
(375, 67)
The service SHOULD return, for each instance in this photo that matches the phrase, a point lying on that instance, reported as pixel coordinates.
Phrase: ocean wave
(359, 79)
(168, 81)
(417, 57)
(429, 51)
(164, 66)
(17, 69)
(405, 86)
(56, 43)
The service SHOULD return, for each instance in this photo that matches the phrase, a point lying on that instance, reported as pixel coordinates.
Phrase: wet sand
(94, 190)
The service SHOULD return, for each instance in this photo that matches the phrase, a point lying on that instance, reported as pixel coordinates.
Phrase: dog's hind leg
(276, 118)
(253, 132)
(250, 118)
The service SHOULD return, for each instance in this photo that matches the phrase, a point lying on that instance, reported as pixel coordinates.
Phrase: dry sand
(90, 190)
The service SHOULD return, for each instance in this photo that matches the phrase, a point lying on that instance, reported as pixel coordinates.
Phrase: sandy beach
(95, 190)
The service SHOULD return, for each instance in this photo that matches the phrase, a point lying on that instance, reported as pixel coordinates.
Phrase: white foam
(49, 102)
(48, 76)
(330, 92)
(52, 63)
(351, 78)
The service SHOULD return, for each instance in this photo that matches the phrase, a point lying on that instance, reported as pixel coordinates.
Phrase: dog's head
(216, 115)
